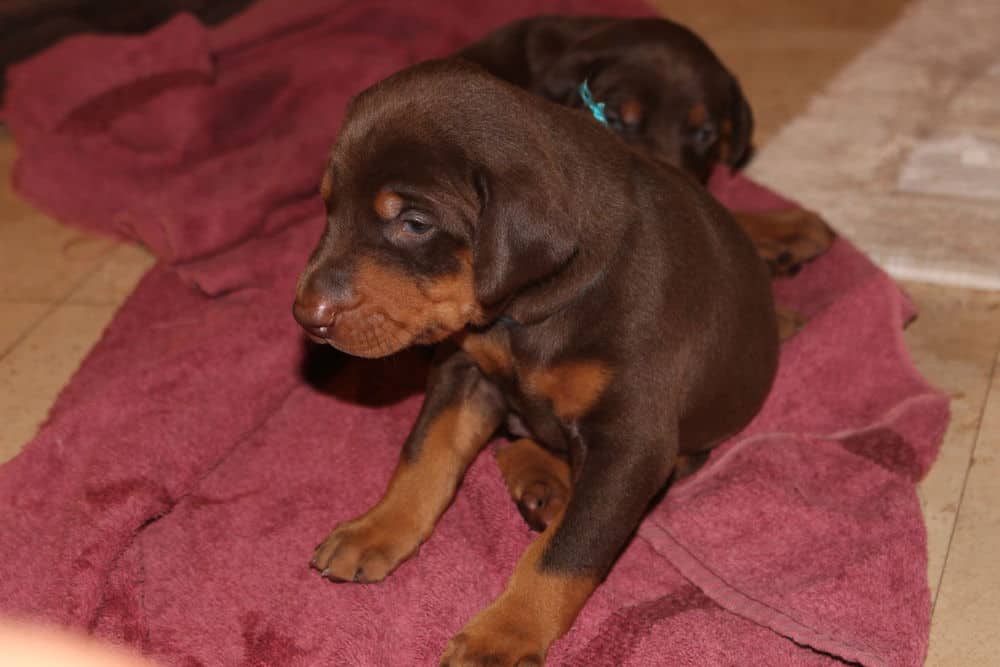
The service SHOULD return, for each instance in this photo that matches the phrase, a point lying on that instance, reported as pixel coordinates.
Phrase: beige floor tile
(16, 319)
(41, 260)
(117, 277)
(965, 626)
(793, 15)
(783, 51)
(33, 373)
(954, 343)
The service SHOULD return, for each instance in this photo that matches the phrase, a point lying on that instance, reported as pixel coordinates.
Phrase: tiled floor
(906, 130)
(59, 287)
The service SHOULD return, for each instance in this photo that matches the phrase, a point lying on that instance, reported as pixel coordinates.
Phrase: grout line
(54, 305)
(965, 479)
(24, 334)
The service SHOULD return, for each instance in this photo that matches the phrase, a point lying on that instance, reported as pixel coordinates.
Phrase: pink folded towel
(174, 496)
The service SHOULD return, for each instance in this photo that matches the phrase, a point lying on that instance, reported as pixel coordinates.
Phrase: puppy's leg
(788, 238)
(462, 409)
(561, 568)
(538, 481)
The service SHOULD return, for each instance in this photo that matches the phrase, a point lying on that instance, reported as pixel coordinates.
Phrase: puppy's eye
(704, 135)
(417, 227)
(413, 223)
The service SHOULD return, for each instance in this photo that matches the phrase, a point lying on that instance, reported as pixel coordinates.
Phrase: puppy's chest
(568, 388)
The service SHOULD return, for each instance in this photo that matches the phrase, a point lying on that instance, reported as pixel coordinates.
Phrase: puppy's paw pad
(537, 480)
(541, 502)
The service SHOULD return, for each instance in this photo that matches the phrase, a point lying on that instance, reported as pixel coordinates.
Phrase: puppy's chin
(366, 349)
(380, 336)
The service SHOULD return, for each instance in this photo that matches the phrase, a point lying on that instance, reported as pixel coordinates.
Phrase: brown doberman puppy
(606, 303)
(663, 89)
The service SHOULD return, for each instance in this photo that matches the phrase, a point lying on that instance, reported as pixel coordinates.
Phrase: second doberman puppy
(607, 303)
(664, 91)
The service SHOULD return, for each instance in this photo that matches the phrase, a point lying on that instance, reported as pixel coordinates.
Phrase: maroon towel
(174, 496)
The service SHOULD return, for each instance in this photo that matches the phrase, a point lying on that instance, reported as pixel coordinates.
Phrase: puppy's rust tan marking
(326, 185)
(490, 353)
(444, 304)
(538, 481)
(536, 608)
(572, 387)
(631, 112)
(394, 310)
(697, 115)
(370, 547)
(388, 204)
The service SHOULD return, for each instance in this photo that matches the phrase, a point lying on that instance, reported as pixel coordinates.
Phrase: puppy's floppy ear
(560, 81)
(558, 61)
(740, 137)
(545, 45)
(522, 240)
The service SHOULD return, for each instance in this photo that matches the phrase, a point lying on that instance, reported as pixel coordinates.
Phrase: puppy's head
(424, 235)
(664, 91)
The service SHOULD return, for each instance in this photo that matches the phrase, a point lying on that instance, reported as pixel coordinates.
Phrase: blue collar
(596, 108)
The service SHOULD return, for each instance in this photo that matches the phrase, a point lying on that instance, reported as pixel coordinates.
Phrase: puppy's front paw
(366, 550)
(492, 648)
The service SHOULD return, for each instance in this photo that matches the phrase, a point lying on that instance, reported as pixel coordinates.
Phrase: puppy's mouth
(389, 311)
(371, 333)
